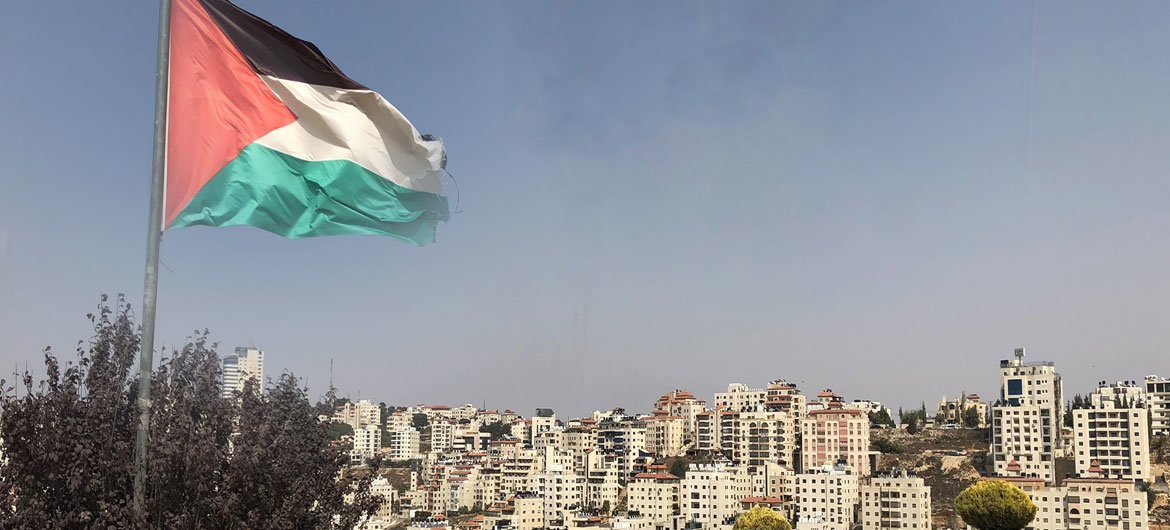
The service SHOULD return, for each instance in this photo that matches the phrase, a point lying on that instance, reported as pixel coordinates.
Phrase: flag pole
(153, 240)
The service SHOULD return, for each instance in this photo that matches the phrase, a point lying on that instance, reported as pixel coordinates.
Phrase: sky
(884, 199)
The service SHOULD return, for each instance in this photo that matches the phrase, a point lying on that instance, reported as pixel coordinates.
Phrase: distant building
(828, 495)
(666, 435)
(1113, 432)
(740, 398)
(711, 494)
(785, 397)
(1085, 502)
(367, 441)
(402, 443)
(654, 495)
(1158, 393)
(954, 411)
(895, 500)
(834, 434)
(245, 364)
(359, 414)
(1027, 419)
(684, 405)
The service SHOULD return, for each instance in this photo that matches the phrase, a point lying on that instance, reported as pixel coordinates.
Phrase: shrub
(995, 505)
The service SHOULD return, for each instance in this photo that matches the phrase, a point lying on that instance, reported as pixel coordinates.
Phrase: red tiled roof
(654, 476)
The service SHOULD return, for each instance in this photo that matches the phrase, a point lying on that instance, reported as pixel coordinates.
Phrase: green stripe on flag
(297, 198)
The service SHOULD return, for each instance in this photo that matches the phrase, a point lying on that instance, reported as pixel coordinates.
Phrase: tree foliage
(263, 461)
(419, 421)
(995, 505)
(881, 418)
(760, 518)
(885, 445)
(971, 418)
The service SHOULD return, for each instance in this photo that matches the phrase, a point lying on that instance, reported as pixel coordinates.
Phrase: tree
(498, 430)
(419, 421)
(760, 518)
(678, 468)
(971, 418)
(995, 505)
(338, 430)
(881, 418)
(69, 445)
(883, 445)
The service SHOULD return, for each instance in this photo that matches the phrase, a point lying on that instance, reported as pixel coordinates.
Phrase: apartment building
(763, 437)
(711, 494)
(442, 434)
(525, 510)
(367, 441)
(828, 495)
(685, 405)
(602, 483)
(1113, 433)
(562, 493)
(895, 500)
(1026, 420)
(622, 444)
(539, 425)
(402, 443)
(1158, 394)
(1126, 393)
(835, 434)
(654, 495)
(1085, 503)
(954, 411)
(358, 414)
(785, 397)
(665, 434)
(740, 398)
(577, 443)
(237, 369)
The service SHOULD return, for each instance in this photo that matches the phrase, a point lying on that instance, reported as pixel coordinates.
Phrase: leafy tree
(760, 518)
(605, 507)
(69, 445)
(419, 421)
(995, 505)
(338, 430)
(883, 445)
(881, 418)
(971, 418)
(678, 468)
(497, 430)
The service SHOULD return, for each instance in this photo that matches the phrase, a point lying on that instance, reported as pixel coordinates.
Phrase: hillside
(948, 460)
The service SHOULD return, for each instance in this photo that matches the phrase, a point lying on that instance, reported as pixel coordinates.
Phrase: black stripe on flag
(272, 51)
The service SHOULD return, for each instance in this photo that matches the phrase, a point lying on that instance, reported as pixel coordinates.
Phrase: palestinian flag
(263, 130)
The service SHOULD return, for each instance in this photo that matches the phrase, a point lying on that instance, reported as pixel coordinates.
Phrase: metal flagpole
(153, 239)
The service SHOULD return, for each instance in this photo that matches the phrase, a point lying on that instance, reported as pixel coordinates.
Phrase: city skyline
(875, 199)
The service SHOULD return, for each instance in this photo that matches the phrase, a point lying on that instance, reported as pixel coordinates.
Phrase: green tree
(881, 418)
(883, 445)
(971, 418)
(419, 421)
(678, 468)
(995, 505)
(338, 430)
(759, 518)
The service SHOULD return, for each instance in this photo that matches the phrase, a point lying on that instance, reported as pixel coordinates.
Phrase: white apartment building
(602, 483)
(895, 500)
(1085, 503)
(654, 495)
(367, 441)
(685, 405)
(829, 495)
(245, 364)
(539, 425)
(785, 397)
(442, 436)
(763, 437)
(359, 414)
(835, 434)
(577, 443)
(562, 492)
(1128, 393)
(402, 443)
(740, 398)
(621, 444)
(1026, 421)
(1158, 394)
(665, 434)
(711, 494)
(955, 410)
(1116, 437)
(526, 511)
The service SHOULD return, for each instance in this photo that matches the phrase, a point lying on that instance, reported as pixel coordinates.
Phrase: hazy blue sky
(847, 195)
